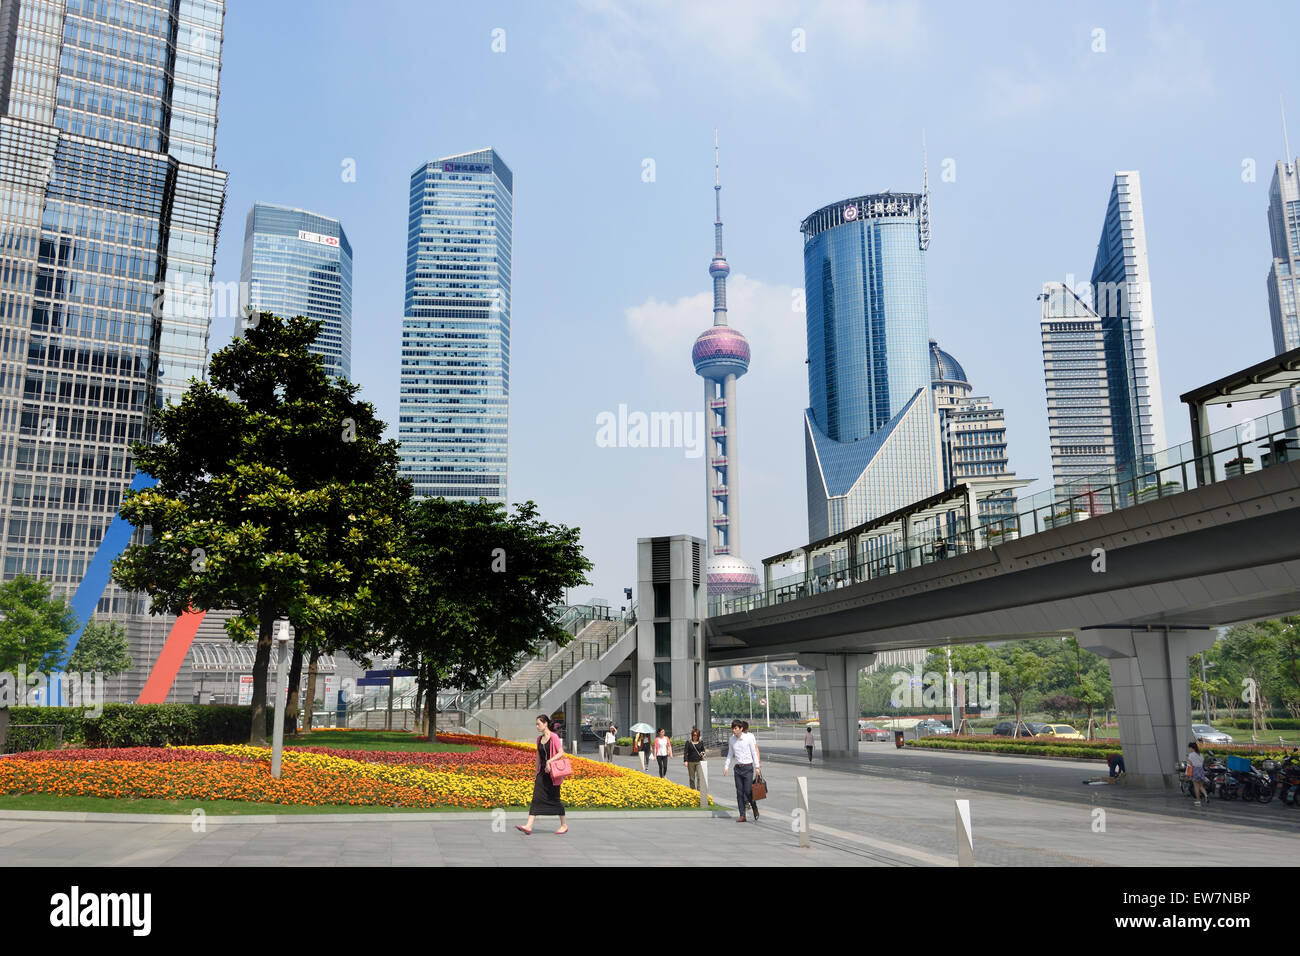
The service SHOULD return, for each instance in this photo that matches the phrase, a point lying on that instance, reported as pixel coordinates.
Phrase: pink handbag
(560, 768)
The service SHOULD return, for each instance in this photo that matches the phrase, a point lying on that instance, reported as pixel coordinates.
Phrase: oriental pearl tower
(721, 355)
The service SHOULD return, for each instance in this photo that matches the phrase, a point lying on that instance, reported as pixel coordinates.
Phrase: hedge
(142, 725)
(1094, 749)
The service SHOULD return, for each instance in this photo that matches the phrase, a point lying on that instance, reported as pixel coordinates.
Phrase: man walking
(611, 738)
(743, 749)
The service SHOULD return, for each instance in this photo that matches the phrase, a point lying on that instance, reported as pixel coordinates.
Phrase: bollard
(704, 784)
(965, 845)
(801, 796)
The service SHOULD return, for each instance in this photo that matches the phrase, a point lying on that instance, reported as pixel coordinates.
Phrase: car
(1207, 734)
(872, 732)
(933, 728)
(1061, 732)
(1027, 729)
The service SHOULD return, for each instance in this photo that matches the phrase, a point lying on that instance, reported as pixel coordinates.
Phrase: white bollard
(801, 796)
(965, 845)
(704, 784)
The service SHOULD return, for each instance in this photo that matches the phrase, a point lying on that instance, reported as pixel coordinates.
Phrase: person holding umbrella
(642, 743)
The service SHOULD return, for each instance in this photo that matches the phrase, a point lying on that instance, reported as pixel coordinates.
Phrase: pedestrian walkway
(886, 808)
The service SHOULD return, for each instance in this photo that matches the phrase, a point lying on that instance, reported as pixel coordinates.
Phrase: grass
(41, 801)
(384, 740)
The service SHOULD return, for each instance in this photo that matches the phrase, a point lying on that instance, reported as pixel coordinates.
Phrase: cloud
(1008, 94)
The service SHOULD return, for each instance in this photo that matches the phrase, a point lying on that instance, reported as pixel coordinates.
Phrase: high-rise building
(1121, 285)
(1284, 273)
(1078, 389)
(110, 202)
(300, 263)
(870, 438)
(721, 355)
(455, 379)
(973, 436)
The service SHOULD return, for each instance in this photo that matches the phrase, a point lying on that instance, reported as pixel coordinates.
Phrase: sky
(605, 112)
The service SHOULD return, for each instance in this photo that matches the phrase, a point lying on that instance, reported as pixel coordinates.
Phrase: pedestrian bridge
(1140, 566)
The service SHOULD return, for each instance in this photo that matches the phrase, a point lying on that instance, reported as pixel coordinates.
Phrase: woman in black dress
(546, 792)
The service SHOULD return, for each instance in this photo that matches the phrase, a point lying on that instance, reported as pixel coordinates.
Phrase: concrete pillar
(837, 699)
(1148, 671)
(1200, 446)
(973, 518)
(905, 559)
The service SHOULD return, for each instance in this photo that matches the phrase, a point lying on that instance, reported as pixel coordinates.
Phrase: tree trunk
(311, 691)
(417, 702)
(4, 727)
(432, 707)
(295, 680)
(261, 662)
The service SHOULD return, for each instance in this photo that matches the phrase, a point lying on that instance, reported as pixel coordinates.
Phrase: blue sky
(610, 271)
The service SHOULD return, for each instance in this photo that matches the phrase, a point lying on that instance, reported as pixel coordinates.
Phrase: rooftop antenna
(1285, 139)
(923, 223)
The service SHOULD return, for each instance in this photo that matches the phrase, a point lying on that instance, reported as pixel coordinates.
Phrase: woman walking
(645, 752)
(1196, 764)
(663, 750)
(808, 742)
(694, 757)
(546, 790)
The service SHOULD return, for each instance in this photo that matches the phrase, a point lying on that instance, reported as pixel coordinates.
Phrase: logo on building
(850, 212)
(306, 236)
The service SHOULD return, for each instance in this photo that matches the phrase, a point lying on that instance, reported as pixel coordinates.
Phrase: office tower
(869, 434)
(973, 436)
(1121, 284)
(110, 202)
(721, 355)
(1284, 273)
(1078, 389)
(455, 383)
(300, 263)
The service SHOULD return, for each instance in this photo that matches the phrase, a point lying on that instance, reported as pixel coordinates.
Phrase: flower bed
(497, 773)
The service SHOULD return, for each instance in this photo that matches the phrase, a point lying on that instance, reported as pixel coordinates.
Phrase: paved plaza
(886, 808)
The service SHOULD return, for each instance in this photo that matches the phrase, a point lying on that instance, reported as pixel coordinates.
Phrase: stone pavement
(887, 808)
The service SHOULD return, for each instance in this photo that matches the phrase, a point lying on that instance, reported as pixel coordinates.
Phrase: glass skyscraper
(110, 202)
(455, 381)
(1284, 274)
(870, 439)
(1078, 389)
(1121, 284)
(300, 263)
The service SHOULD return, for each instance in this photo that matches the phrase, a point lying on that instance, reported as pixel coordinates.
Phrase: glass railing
(1229, 453)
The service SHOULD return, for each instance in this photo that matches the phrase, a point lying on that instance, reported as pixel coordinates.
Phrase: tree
(256, 475)
(1022, 671)
(485, 583)
(34, 631)
(103, 647)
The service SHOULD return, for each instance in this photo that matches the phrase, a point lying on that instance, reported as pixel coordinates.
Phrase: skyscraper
(455, 378)
(1284, 273)
(1121, 284)
(300, 263)
(973, 436)
(110, 202)
(721, 355)
(870, 439)
(1078, 389)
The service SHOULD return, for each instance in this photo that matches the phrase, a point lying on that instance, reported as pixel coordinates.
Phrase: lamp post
(281, 678)
(1205, 691)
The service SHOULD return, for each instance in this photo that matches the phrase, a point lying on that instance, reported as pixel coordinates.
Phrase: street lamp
(281, 679)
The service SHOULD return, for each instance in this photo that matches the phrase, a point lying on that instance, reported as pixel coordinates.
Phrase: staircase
(543, 682)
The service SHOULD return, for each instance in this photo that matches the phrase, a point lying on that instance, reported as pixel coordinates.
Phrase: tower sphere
(720, 351)
(719, 267)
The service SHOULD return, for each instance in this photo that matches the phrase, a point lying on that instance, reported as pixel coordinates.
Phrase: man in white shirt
(611, 738)
(743, 749)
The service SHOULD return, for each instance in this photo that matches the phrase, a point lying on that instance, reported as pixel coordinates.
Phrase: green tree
(484, 586)
(1021, 673)
(34, 630)
(102, 647)
(256, 474)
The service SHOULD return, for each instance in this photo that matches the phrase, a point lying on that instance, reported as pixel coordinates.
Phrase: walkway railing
(1227, 454)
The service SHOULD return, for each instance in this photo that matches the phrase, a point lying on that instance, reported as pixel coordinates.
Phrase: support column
(1148, 671)
(837, 699)
(905, 559)
(973, 519)
(1200, 447)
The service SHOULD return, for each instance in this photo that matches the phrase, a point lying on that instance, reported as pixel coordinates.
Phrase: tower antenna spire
(923, 221)
(717, 186)
(1286, 142)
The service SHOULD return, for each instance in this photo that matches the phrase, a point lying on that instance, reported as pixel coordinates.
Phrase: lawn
(391, 740)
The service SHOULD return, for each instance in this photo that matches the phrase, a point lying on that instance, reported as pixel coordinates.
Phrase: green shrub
(73, 721)
(147, 725)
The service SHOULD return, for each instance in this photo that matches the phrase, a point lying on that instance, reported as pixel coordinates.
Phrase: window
(663, 680)
(663, 639)
(663, 604)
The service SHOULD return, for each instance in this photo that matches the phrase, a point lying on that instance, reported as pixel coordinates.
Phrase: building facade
(721, 355)
(1078, 389)
(1121, 284)
(871, 443)
(1284, 273)
(972, 436)
(455, 372)
(300, 263)
(110, 203)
